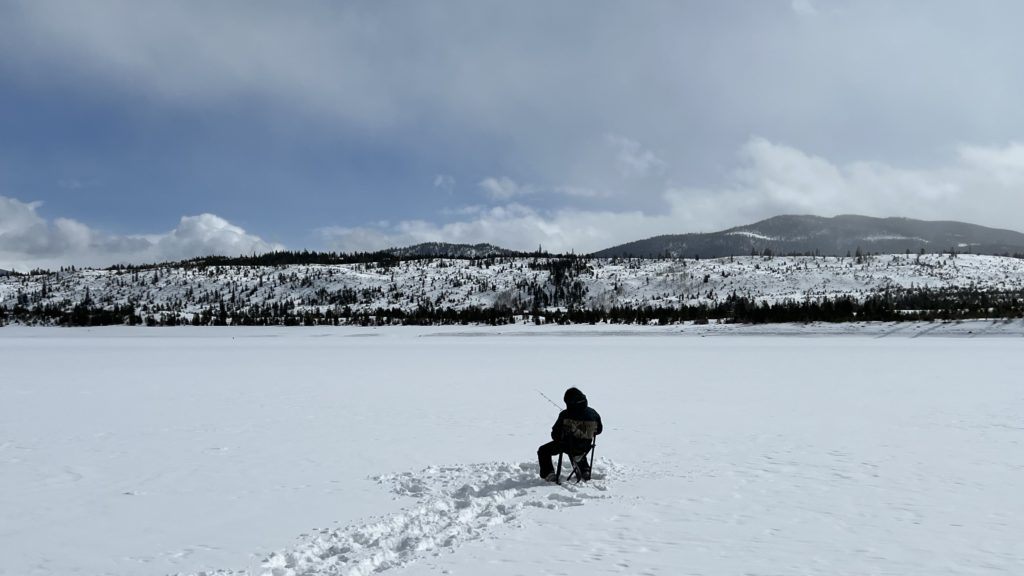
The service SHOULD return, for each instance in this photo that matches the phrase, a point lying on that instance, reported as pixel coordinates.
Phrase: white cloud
(581, 192)
(804, 7)
(512, 226)
(207, 234)
(504, 188)
(1004, 165)
(27, 240)
(771, 179)
(980, 184)
(444, 183)
(632, 160)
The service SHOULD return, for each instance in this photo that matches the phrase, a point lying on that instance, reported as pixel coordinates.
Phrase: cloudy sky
(140, 131)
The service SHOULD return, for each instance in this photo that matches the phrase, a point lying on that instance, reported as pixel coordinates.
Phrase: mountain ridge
(450, 250)
(827, 236)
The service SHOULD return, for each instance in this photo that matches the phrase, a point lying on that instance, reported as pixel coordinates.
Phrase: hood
(574, 399)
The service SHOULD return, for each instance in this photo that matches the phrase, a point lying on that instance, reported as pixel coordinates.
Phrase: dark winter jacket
(578, 424)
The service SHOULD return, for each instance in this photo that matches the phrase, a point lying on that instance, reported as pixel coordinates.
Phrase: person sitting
(572, 434)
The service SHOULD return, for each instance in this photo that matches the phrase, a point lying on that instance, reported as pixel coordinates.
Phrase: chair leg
(558, 471)
(576, 470)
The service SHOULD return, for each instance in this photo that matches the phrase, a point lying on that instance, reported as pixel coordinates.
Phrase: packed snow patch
(749, 234)
(454, 505)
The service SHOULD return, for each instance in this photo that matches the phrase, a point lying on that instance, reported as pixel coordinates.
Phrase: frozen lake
(412, 450)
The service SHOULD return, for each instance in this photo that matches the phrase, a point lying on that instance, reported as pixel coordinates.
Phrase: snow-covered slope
(519, 283)
(836, 236)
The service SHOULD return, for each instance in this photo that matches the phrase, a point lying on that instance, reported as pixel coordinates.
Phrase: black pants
(553, 448)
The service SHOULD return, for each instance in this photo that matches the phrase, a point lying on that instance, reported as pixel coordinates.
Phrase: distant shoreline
(1001, 328)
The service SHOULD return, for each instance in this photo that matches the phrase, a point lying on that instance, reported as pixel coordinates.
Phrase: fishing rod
(548, 399)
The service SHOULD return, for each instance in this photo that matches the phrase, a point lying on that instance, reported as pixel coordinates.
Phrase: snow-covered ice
(837, 450)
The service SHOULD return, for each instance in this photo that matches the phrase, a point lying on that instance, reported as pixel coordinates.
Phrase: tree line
(897, 305)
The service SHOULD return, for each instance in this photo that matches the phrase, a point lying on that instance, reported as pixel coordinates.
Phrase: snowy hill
(446, 250)
(521, 284)
(836, 236)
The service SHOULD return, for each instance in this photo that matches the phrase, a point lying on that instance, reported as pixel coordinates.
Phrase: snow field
(311, 452)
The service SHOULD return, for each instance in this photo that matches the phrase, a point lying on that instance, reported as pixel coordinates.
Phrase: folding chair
(575, 462)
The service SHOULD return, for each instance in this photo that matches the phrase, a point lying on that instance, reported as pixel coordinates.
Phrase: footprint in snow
(454, 505)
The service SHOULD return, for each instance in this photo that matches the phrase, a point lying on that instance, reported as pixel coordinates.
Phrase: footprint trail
(454, 505)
